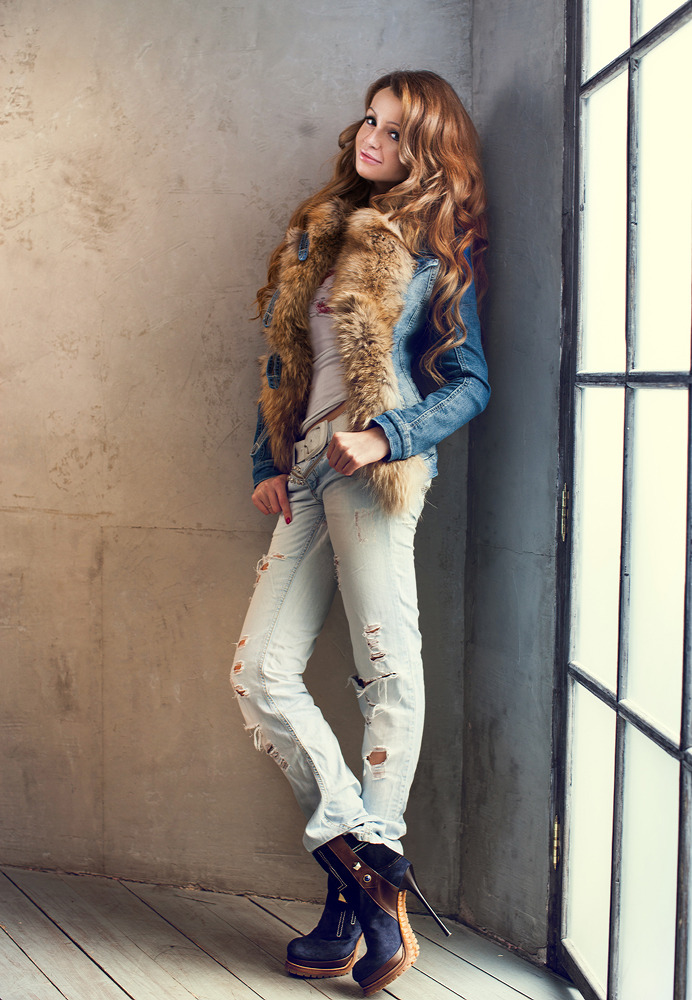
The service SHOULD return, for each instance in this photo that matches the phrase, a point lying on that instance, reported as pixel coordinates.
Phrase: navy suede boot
(332, 947)
(375, 880)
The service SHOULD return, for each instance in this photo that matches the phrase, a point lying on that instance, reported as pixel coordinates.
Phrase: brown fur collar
(373, 270)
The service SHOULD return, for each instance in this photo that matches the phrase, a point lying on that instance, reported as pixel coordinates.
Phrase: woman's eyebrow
(374, 114)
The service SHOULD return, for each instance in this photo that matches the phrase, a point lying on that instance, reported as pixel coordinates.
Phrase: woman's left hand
(349, 451)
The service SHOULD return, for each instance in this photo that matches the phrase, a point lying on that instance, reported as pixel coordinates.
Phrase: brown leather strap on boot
(347, 866)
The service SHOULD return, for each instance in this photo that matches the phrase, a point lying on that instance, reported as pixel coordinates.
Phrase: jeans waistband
(317, 437)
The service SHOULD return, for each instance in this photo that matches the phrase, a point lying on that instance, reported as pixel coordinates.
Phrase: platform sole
(401, 961)
(324, 970)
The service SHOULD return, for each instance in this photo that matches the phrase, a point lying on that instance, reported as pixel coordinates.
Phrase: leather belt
(317, 438)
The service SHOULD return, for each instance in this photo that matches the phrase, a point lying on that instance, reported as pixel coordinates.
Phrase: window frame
(566, 673)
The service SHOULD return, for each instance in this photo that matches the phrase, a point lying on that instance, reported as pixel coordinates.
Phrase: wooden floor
(83, 937)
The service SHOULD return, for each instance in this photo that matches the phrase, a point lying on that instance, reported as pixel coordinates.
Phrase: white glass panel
(607, 32)
(604, 262)
(664, 206)
(649, 871)
(590, 805)
(597, 529)
(653, 11)
(657, 563)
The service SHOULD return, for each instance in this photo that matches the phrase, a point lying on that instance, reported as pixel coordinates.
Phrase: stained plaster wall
(152, 152)
(518, 50)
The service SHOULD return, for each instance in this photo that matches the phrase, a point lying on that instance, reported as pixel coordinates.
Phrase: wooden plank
(19, 977)
(149, 959)
(458, 974)
(497, 961)
(239, 936)
(72, 972)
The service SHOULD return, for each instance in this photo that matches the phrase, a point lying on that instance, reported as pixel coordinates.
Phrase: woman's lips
(367, 158)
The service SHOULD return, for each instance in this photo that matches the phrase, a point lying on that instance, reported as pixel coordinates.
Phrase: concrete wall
(152, 151)
(508, 680)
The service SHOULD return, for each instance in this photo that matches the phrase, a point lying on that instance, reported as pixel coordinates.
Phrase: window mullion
(686, 728)
(625, 557)
(616, 869)
(682, 937)
(635, 20)
(632, 236)
(621, 694)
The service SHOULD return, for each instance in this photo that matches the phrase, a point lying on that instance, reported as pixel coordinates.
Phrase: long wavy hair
(440, 206)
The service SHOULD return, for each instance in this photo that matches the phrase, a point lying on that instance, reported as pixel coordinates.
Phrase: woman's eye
(369, 120)
(395, 136)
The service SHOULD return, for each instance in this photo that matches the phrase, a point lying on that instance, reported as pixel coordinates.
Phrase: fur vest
(373, 269)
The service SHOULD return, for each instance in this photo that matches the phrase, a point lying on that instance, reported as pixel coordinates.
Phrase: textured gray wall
(152, 151)
(518, 105)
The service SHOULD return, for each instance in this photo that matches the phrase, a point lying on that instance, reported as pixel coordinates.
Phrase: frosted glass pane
(649, 871)
(664, 272)
(657, 564)
(653, 11)
(590, 805)
(597, 529)
(607, 32)
(604, 263)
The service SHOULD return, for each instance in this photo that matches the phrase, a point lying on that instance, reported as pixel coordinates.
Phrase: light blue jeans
(337, 535)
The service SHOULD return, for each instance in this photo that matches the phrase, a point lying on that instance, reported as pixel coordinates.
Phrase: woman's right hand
(271, 497)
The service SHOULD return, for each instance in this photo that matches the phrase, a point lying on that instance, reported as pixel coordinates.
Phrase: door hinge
(564, 512)
(556, 842)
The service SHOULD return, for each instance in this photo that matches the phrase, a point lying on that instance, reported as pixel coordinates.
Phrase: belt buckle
(313, 442)
(316, 437)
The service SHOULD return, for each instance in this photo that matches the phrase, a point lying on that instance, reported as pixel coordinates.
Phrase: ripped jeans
(337, 532)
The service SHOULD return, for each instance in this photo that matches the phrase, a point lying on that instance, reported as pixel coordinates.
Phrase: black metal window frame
(572, 381)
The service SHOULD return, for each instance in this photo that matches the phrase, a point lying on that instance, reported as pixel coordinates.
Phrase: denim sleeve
(262, 462)
(465, 393)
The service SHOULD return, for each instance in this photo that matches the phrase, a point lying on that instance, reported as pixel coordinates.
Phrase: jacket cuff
(395, 432)
(264, 470)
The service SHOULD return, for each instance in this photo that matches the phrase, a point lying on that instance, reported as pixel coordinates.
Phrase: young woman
(374, 357)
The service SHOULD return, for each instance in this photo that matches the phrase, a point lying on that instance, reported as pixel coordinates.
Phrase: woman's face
(377, 143)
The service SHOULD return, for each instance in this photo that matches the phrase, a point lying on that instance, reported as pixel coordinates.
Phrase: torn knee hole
(365, 682)
(372, 638)
(262, 744)
(376, 759)
(236, 669)
(243, 641)
(272, 752)
(362, 682)
(264, 563)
